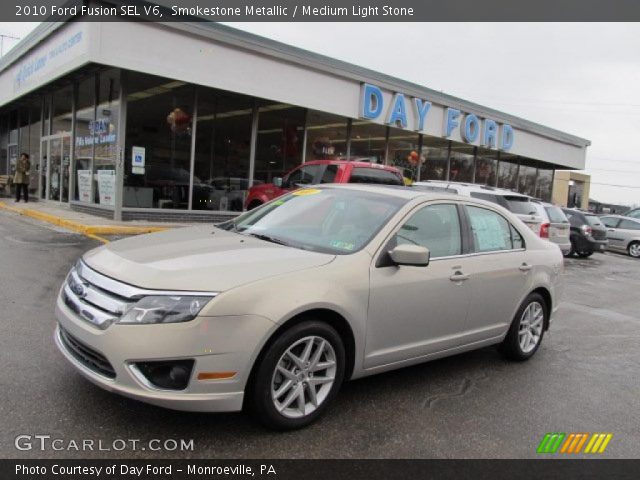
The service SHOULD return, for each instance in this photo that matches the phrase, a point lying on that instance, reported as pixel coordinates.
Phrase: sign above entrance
(402, 111)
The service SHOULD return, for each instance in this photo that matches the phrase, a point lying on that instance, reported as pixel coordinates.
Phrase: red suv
(323, 171)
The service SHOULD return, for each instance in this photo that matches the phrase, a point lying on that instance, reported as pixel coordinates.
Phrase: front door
(56, 165)
(416, 311)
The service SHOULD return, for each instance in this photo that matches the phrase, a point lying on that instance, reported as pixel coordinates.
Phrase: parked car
(635, 213)
(275, 308)
(588, 234)
(555, 226)
(324, 171)
(623, 234)
(518, 204)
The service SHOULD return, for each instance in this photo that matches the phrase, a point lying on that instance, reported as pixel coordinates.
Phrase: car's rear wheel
(298, 376)
(585, 254)
(527, 329)
(634, 249)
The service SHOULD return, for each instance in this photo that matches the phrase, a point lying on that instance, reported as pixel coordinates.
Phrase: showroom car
(273, 310)
(623, 234)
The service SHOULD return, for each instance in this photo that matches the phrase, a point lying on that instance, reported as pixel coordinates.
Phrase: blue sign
(472, 128)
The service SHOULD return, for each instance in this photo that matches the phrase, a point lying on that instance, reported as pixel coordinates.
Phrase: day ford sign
(402, 108)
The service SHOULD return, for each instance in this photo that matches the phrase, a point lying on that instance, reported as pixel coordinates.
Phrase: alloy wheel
(530, 328)
(303, 377)
(634, 250)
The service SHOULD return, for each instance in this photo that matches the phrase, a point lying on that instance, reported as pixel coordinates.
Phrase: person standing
(21, 178)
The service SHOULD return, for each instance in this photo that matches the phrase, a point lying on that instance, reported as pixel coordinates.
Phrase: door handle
(459, 277)
(525, 267)
(611, 230)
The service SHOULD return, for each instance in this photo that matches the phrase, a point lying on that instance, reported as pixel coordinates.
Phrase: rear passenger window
(491, 231)
(436, 227)
(375, 176)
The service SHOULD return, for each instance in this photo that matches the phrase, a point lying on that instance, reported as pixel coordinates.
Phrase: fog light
(169, 375)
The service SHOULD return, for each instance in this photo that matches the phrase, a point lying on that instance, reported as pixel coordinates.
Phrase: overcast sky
(580, 78)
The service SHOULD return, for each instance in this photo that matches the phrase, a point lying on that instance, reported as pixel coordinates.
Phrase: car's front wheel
(298, 376)
(527, 329)
(634, 249)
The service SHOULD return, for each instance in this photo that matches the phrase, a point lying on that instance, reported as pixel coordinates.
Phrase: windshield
(327, 220)
(520, 205)
(556, 215)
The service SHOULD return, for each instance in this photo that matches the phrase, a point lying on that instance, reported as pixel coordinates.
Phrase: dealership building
(177, 120)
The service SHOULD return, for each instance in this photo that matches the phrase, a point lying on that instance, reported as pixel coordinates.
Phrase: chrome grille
(98, 299)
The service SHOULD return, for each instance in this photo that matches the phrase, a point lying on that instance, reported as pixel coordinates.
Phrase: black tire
(630, 249)
(573, 248)
(585, 254)
(259, 395)
(510, 346)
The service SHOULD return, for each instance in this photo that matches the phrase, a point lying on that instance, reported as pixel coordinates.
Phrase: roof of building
(282, 51)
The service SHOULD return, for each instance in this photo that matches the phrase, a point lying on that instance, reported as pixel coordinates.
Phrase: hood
(200, 258)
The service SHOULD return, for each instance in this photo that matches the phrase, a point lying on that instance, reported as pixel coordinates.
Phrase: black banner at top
(322, 10)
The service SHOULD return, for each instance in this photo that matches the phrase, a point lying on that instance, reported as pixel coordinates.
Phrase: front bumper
(217, 344)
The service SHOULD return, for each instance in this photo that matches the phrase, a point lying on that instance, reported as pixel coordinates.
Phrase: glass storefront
(486, 167)
(280, 139)
(194, 144)
(222, 151)
(159, 125)
(434, 158)
(403, 151)
(326, 136)
(368, 141)
(461, 163)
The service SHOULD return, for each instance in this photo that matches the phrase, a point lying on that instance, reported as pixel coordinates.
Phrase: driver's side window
(436, 227)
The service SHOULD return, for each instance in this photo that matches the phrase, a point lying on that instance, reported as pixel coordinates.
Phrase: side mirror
(277, 181)
(412, 255)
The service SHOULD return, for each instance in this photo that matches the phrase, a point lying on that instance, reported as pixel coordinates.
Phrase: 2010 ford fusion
(274, 309)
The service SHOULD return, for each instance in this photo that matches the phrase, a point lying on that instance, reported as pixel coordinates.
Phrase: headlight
(164, 309)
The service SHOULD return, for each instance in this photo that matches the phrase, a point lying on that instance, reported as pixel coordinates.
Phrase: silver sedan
(623, 234)
(274, 309)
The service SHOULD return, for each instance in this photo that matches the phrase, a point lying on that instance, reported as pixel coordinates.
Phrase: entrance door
(56, 165)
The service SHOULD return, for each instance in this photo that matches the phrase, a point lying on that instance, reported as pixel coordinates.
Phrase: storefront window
(4, 138)
(279, 148)
(222, 150)
(12, 147)
(104, 131)
(46, 115)
(61, 122)
(527, 180)
(23, 135)
(159, 126)
(326, 136)
(508, 172)
(545, 184)
(35, 132)
(435, 156)
(486, 167)
(404, 152)
(85, 117)
(461, 169)
(368, 141)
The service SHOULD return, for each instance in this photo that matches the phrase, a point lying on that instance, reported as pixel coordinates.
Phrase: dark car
(588, 234)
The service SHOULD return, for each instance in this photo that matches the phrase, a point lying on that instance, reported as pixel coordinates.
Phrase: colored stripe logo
(556, 442)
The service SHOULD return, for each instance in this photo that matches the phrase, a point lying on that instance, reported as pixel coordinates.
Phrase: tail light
(544, 230)
(586, 229)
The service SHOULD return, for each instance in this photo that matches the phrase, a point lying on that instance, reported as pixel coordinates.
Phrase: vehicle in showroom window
(623, 234)
(273, 310)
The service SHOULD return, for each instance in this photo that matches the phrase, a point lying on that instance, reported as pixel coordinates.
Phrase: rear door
(614, 236)
(499, 272)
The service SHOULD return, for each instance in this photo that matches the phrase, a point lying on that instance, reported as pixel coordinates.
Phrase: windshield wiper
(268, 238)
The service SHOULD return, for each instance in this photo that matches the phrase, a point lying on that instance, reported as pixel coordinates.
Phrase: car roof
(624, 217)
(474, 186)
(355, 163)
(399, 191)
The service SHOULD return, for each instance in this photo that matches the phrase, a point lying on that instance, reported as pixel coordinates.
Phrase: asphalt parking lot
(585, 378)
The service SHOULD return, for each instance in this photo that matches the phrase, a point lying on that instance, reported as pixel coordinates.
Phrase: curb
(91, 231)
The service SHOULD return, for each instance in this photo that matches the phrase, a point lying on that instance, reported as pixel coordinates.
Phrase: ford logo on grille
(79, 289)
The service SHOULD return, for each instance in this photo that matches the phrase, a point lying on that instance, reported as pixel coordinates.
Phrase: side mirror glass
(412, 255)
(277, 181)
